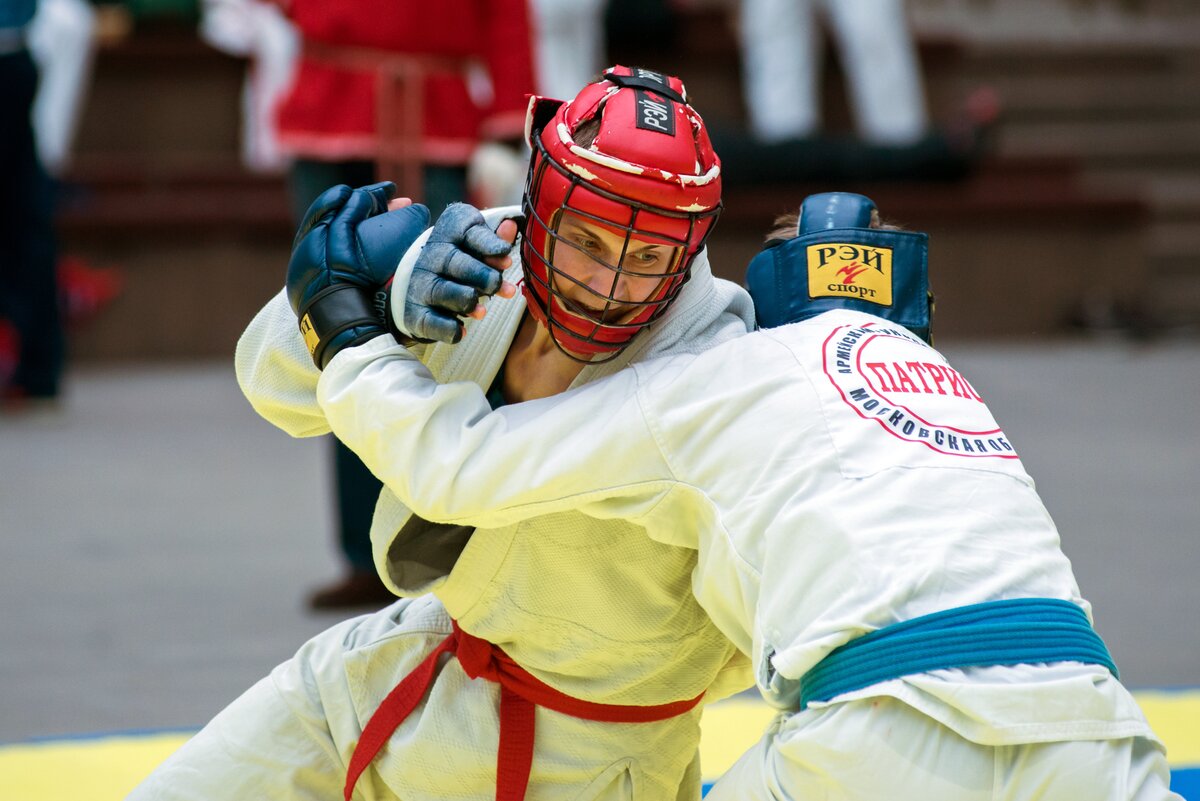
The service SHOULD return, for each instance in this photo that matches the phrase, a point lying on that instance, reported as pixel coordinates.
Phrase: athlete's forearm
(450, 458)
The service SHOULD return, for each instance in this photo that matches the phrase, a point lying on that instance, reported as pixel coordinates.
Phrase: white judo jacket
(592, 607)
(833, 477)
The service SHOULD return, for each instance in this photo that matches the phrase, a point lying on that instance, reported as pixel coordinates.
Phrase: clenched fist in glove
(345, 252)
(460, 262)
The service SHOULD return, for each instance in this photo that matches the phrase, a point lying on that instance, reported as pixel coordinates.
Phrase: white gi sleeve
(444, 453)
(276, 373)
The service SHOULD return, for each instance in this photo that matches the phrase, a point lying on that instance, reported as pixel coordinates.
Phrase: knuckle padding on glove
(434, 298)
(333, 310)
(435, 327)
(472, 272)
(455, 221)
(485, 241)
(453, 296)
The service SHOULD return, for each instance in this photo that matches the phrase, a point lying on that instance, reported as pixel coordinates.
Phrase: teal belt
(1022, 630)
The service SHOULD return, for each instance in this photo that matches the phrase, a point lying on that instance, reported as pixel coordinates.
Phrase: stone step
(1176, 238)
(1011, 188)
(182, 297)
(1100, 59)
(1055, 104)
(130, 197)
(1118, 24)
(1173, 295)
(1165, 187)
(1179, 269)
(1109, 142)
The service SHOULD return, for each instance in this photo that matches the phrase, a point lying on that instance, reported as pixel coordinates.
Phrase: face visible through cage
(603, 275)
(600, 267)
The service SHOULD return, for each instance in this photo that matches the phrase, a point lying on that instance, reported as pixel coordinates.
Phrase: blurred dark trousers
(28, 259)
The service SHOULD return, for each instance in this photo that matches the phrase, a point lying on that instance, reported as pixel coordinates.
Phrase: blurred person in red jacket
(412, 85)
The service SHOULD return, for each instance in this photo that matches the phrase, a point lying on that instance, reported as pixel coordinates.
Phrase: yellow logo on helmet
(843, 270)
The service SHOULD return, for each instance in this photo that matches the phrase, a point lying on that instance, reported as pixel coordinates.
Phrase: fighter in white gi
(585, 616)
(864, 528)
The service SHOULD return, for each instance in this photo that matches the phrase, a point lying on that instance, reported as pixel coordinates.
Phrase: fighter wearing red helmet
(645, 170)
(583, 617)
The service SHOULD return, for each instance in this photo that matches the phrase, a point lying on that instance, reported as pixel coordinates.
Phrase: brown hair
(587, 132)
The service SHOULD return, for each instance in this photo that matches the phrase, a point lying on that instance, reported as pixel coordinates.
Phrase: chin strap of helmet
(836, 261)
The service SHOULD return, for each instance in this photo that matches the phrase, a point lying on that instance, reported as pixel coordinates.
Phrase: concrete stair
(1129, 115)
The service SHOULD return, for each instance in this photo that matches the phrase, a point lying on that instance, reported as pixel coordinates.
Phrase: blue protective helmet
(837, 261)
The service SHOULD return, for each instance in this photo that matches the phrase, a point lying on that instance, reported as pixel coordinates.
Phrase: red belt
(520, 693)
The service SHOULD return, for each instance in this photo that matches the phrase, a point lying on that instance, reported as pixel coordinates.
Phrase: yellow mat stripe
(1175, 718)
(102, 769)
(728, 728)
(107, 768)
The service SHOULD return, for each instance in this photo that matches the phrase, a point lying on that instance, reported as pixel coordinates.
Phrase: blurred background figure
(783, 65)
(407, 92)
(62, 43)
(568, 52)
(783, 60)
(46, 73)
(259, 32)
(569, 44)
(32, 343)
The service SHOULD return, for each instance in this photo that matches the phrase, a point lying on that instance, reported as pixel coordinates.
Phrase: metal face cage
(577, 330)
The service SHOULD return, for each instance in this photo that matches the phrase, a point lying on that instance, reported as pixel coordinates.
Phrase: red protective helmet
(649, 174)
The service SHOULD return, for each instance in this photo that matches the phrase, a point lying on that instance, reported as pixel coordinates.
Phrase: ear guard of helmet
(538, 113)
(837, 262)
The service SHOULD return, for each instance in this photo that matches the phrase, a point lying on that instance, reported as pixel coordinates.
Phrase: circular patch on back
(888, 376)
